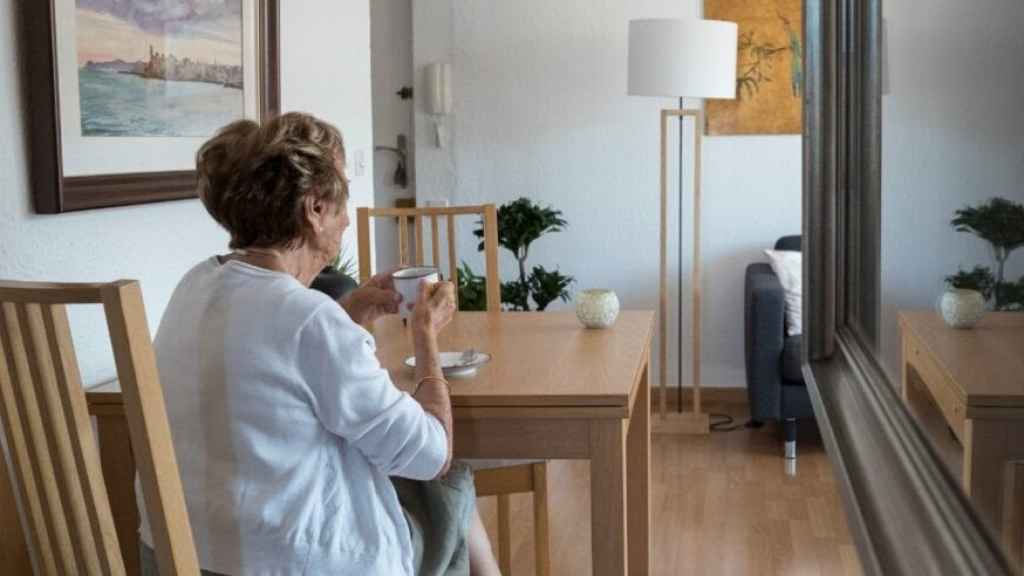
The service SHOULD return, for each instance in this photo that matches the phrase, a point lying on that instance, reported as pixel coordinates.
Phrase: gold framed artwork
(769, 74)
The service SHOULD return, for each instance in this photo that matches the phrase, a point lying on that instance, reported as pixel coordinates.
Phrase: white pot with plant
(963, 303)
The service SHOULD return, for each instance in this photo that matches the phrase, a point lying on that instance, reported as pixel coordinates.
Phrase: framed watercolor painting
(769, 74)
(123, 92)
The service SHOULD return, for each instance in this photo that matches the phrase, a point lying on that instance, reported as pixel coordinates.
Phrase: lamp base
(676, 424)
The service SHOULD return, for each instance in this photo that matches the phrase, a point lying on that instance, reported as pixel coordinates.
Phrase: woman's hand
(434, 308)
(372, 300)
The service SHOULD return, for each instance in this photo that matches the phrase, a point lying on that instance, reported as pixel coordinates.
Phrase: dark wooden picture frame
(52, 191)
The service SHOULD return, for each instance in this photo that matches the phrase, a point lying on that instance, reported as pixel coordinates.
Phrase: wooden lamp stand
(695, 421)
(693, 58)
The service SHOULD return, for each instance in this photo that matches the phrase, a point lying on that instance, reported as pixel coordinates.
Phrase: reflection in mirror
(917, 411)
(951, 329)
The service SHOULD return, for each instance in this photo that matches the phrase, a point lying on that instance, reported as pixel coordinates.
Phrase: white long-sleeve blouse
(286, 428)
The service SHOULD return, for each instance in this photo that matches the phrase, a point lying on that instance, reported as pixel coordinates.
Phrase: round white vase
(962, 308)
(597, 308)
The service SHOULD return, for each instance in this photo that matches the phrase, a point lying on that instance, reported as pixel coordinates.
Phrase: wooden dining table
(552, 390)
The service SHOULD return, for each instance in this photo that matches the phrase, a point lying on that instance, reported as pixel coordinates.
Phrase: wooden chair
(447, 215)
(53, 452)
(501, 479)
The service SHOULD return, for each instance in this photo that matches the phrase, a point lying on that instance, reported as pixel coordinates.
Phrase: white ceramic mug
(407, 283)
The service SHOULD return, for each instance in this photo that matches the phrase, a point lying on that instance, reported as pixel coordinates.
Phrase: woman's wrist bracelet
(432, 379)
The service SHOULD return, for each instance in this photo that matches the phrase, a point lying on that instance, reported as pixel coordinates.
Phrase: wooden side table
(971, 382)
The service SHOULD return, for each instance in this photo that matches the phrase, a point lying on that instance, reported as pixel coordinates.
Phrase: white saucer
(454, 366)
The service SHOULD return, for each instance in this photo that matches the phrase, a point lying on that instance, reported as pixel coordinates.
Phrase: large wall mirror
(914, 208)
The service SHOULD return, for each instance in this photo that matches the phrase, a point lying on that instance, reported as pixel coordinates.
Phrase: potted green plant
(963, 303)
(472, 289)
(999, 222)
(520, 224)
(337, 278)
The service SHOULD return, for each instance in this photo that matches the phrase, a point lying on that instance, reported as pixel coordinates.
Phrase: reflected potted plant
(999, 222)
(963, 303)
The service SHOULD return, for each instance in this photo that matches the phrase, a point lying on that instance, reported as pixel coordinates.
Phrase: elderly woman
(297, 453)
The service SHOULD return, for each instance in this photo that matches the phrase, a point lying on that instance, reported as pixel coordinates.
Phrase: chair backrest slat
(435, 241)
(58, 437)
(15, 430)
(453, 260)
(403, 241)
(491, 256)
(41, 461)
(103, 535)
(52, 447)
(487, 213)
(419, 239)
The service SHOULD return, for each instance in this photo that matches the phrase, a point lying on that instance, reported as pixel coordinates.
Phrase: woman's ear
(316, 210)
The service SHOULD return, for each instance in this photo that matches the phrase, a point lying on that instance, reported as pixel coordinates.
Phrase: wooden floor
(722, 504)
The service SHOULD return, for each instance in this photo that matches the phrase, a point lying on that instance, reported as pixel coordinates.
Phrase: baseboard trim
(713, 395)
(684, 424)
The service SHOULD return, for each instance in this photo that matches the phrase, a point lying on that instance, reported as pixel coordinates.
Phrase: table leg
(639, 489)
(119, 475)
(608, 496)
(988, 446)
(1013, 514)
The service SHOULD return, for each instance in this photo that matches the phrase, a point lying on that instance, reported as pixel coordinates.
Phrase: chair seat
(492, 464)
(791, 362)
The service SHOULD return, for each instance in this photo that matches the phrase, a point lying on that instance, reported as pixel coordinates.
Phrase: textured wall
(951, 135)
(326, 71)
(541, 111)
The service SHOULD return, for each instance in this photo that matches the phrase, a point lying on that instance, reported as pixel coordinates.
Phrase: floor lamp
(681, 58)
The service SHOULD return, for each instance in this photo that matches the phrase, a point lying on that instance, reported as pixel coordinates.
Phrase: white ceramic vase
(597, 308)
(962, 308)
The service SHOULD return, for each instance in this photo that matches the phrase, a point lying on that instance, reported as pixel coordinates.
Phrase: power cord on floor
(722, 423)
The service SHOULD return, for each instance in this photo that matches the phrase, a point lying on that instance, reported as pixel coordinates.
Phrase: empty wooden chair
(55, 464)
(500, 478)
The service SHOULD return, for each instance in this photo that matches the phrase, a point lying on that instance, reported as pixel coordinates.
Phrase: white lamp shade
(682, 58)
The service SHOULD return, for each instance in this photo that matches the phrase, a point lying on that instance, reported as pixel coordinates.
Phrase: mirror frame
(905, 510)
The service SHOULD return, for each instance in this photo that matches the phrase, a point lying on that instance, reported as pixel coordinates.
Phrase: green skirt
(438, 513)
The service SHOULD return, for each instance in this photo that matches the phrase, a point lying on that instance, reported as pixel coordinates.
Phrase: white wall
(541, 111)
(951, 135)
(391, 55)
(326, 71)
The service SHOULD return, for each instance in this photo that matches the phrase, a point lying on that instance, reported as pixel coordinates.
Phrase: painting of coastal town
(769, 73)
(171, 68)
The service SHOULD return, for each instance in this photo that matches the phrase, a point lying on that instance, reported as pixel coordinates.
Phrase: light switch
(359, 163)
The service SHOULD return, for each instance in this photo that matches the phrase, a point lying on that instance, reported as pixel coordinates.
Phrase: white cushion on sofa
(788, 266)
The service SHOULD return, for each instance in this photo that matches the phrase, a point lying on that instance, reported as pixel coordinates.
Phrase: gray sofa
(775, 385)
